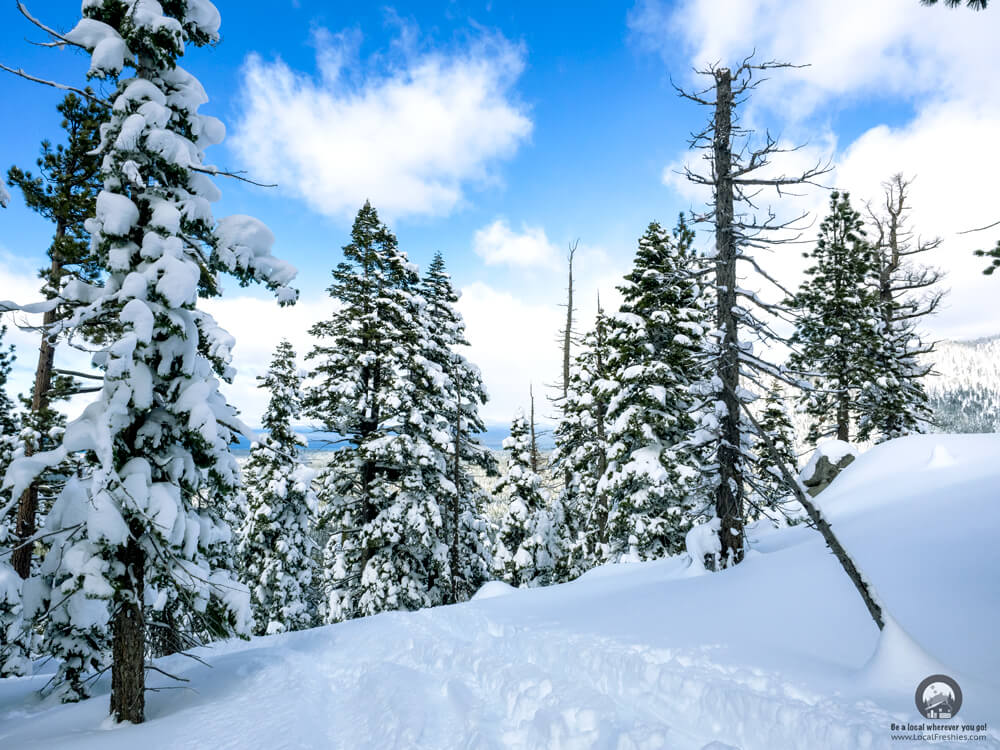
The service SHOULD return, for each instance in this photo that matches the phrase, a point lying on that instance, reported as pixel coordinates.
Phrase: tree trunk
(822, 525)
(567, 341)
(457, 500)
(601, 411)
(729, 493)
(843, 419)
(534, 446)
(27, 509)
(128, 677)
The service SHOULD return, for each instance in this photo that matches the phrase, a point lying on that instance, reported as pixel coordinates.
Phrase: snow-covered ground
(775, 654)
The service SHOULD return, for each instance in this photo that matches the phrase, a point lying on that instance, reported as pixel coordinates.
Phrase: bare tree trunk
(568, 331)
(823, 526)
(27, 509)
(729, 493)
(455, 514)
(128, 676)
(600, 412)
(843, 418)
(534, 445)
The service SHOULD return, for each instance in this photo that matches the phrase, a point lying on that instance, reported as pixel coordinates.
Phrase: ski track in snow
(464, 680)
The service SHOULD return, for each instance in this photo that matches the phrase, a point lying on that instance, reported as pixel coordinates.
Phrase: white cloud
(513, 342)
(20, 284)
(497, 243)
(258, 325)
(889, 47)
(941, 60)
(409, 136)
(952, 154)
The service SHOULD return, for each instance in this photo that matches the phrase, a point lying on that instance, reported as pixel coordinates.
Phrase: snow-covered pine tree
(145, 527)
(580, 453)
(63, 192)
(766, 482)
(527, 543)
(836, 332)
(895, 402)
(654, 342)
(14, 660)
(461, 395)
(375, 389)
(274, 548)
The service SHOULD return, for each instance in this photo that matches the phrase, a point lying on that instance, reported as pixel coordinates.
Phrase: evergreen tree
(527, 544)
(461, 394)
(836, 334)
(13, 646)
(994, 255)
(147, 525)
(274, 539)
(768, 486)
(63, 192)
(376, 391)
(581, 453)
(654, 342)
(895, 402)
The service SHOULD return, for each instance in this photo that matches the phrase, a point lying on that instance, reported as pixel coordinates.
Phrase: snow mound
(493, 589)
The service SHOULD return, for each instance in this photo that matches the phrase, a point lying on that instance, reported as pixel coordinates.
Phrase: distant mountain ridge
(965, 392)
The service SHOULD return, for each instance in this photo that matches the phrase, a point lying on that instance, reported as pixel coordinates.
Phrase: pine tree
(14, 660)
(461, 395)
(654, 342)
(274, 539)
(836, 334)
(527, 543)
(767, 484)
(64, 193)
(376, 392)
(895, 402)
(147, 525)
(581, 453)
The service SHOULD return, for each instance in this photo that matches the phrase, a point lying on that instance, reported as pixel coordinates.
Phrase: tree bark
(600, 412)
(27, 509)
(455, 510)
(823, 526)
(534, 446)
(128, 676)
(729, 493)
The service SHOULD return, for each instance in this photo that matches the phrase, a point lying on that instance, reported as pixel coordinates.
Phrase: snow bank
(778, 652)
(493, 589)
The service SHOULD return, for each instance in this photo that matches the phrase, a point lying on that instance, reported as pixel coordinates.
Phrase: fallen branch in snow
(816, 516)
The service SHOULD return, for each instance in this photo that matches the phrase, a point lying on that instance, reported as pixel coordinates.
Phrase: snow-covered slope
(965, 392)
(773, 654)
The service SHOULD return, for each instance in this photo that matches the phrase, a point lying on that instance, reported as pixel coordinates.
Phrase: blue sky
(497, 132)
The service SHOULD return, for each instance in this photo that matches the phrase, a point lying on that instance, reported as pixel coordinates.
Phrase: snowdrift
(778, 653)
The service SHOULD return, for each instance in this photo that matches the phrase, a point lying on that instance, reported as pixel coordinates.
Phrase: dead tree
(736, 163)
(568, 330)
(908, 293)
(822, 525)
(534, 443)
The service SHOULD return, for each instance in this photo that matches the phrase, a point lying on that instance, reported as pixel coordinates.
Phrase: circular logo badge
(938, 697)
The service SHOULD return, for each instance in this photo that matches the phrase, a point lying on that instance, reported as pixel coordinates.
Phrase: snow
(628, 656)
(116, 213)
(493, 589)
(4, 196)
